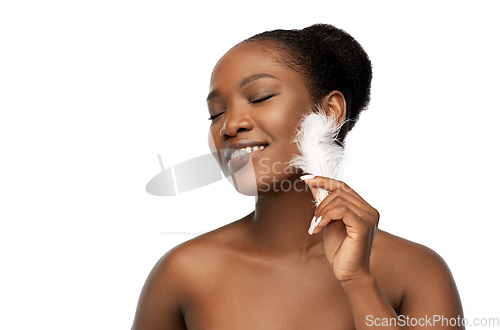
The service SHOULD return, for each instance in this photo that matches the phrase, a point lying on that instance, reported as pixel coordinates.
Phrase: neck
(282, 218)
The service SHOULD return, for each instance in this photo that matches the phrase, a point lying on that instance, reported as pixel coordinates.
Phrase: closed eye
(262, 99)
(215, 116)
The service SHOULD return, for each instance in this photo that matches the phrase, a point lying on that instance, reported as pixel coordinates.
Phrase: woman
(265, 271)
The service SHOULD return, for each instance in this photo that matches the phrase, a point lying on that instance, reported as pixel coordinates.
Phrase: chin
(243, 180)
(250, 182)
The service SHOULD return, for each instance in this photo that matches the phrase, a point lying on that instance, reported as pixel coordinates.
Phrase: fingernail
(312, 226)
(307, 177)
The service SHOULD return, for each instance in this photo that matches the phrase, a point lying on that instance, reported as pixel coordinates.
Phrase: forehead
(246, 59)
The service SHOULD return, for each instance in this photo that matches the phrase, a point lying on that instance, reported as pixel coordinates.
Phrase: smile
(244, 151)
(238, 158)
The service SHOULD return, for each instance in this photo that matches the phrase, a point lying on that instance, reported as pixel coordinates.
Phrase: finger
(339, 192)
(350, 214)
(342, 214)
(337, 187)
(339, 208)
(330, 185)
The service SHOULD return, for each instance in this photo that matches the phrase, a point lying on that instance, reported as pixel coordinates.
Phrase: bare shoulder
(407, 257)
(195, 260)
(415, 275)
(179, 276)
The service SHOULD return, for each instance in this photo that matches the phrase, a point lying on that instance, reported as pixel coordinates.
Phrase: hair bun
(354, 59)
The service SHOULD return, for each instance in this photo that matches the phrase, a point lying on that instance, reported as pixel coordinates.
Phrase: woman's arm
(369, 307)
(158, 306)
(350, 224)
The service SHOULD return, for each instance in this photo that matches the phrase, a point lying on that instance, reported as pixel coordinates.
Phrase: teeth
(244, 151)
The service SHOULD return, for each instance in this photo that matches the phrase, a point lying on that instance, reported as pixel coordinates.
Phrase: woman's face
(256, 104)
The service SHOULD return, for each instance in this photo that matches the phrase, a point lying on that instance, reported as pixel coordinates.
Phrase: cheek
(211, 142)
(213, 136)
(281, 124)
(284, 117)
(277, 160)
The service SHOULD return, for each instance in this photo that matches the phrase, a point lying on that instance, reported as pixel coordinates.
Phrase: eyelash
(215, 116)
(265, 98)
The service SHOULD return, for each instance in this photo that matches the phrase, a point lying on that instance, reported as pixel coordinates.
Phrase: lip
(242, 144)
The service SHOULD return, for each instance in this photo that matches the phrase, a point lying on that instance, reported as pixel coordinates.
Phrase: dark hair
(330, 59)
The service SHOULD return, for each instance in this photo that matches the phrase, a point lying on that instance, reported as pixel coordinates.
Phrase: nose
(236, 120)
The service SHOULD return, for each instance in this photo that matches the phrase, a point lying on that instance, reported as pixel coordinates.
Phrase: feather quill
(320, 151)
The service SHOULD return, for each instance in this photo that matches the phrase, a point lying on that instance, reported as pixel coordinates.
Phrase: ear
(335, 105)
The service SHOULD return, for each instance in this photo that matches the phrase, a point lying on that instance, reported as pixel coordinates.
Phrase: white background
(92, 91)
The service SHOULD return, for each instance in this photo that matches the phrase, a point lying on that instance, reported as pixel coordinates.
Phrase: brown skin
(265, 271)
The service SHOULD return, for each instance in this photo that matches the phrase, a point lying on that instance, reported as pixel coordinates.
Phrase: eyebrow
(212, 94)
(254, 77)
(245, 81)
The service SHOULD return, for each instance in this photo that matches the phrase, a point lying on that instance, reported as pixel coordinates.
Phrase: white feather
(320, 153)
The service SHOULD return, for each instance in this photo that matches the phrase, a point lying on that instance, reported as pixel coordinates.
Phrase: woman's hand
(350, 224)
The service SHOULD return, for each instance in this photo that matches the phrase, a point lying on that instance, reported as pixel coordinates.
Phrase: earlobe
(335, 105)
